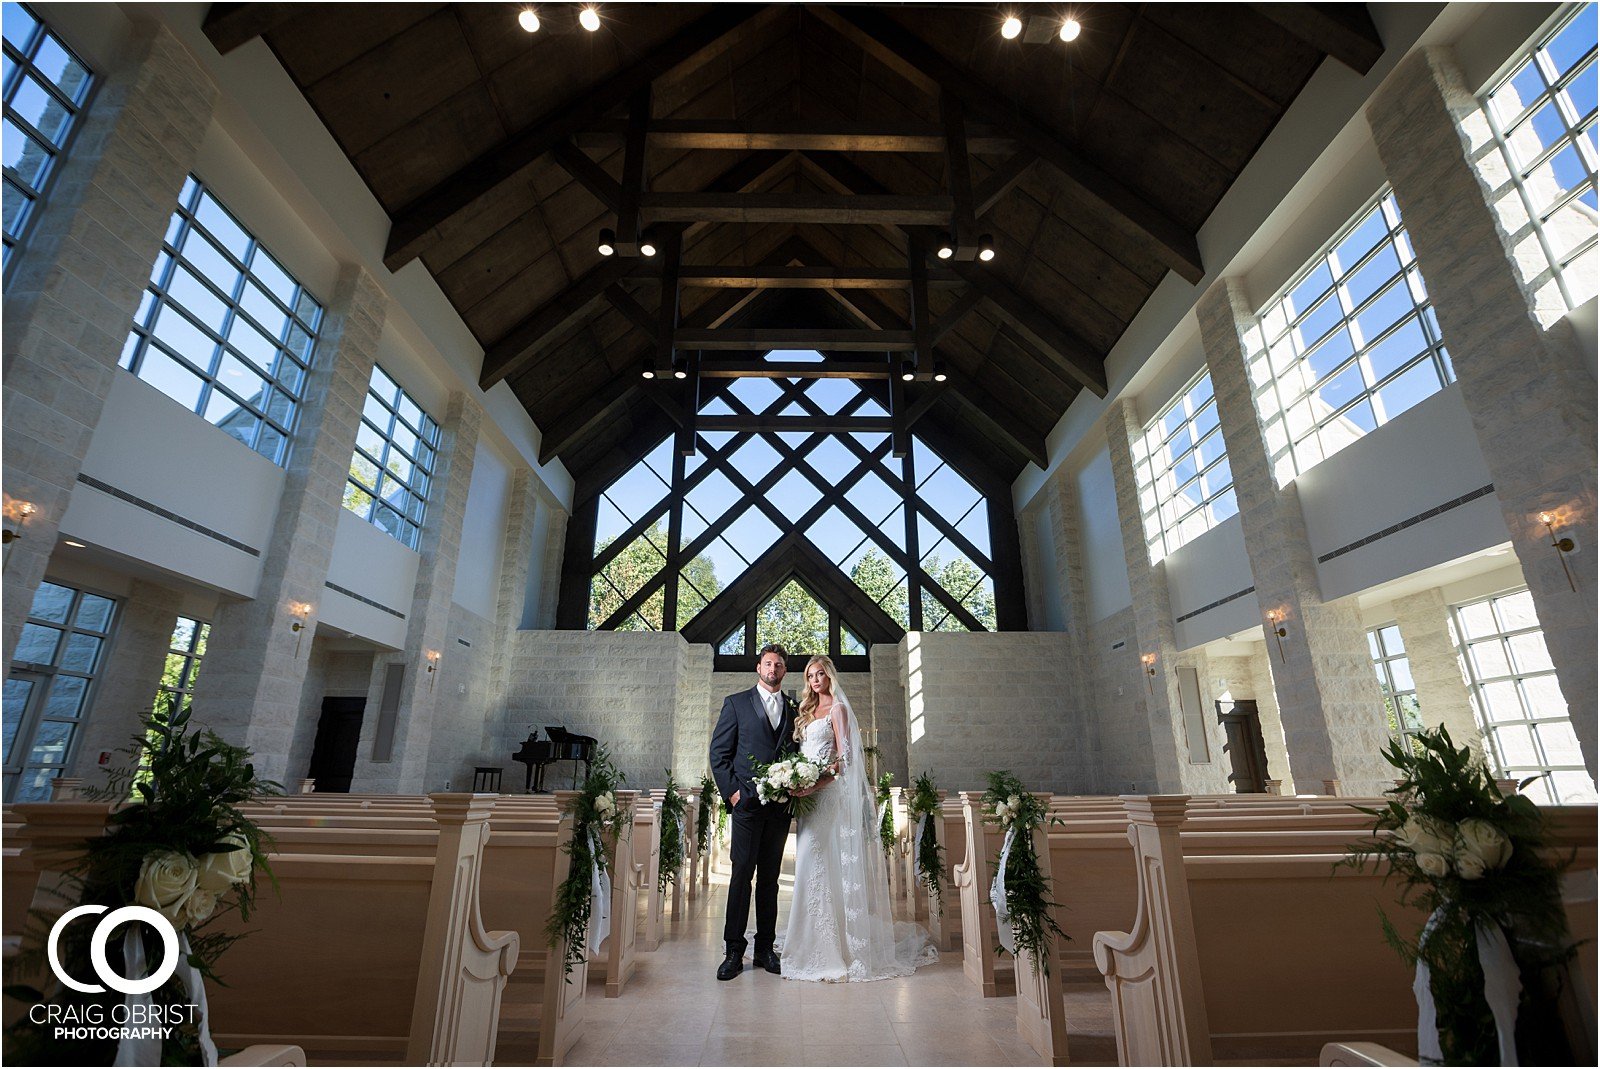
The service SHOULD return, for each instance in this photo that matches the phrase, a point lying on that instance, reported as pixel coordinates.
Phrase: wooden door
(1246, 749)
(333, 755)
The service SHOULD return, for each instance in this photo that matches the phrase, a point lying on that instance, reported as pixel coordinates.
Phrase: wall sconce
(433, 666)
(1562, 545)
(1149, 661)
(16, 514)
(301, 612)
(1279, 631)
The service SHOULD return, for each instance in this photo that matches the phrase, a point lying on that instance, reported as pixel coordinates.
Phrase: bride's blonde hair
(808, 704)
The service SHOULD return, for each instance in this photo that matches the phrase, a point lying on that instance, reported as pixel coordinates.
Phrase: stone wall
(466, 693)
(1115, 701)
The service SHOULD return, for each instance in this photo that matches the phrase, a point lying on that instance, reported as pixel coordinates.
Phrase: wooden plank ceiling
(797, 154)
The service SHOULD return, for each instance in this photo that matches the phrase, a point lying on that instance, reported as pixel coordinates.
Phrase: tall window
(182, 668)
(1401, 710)
(223, 328)
(1516, 697)
(1185, 484)
(46, 88)
(50, 688)
(912, 535)
(392, 468)
(1543, 116)
(1348, 345)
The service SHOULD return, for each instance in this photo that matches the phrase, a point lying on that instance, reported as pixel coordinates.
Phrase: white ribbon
(144, 1047)
(599, 896)
(1502, 987)
(916, 847)
(997, 897)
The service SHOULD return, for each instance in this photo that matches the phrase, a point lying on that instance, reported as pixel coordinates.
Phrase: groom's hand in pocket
(733, 803)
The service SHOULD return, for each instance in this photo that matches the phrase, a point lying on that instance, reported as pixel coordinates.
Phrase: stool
(485, 780)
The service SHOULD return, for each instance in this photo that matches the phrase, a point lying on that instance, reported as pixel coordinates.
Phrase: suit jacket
(744, 736)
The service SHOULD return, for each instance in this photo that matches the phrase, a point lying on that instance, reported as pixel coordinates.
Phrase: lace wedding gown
(841, 926)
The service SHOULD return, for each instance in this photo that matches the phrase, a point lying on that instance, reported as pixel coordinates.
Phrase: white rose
(1013, 802)
(166, 880)
(1428, 835)
(198, 906)
(1435, 865)
(603, 805)
(1484, 843)
(224, 868)
(1469, 867)
(1002, 812)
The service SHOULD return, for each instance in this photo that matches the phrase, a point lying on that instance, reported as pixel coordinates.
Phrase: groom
(756, 725)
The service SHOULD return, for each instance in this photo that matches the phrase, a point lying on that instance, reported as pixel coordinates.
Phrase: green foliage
(1027, 884)
(702, 824)
(960, 577)
(876, 575)
(596, 816)
(636, 565)
(1418, 835)
(185, 788)
(674, 814)
(924, 802)
(886, 820)
(794, 619)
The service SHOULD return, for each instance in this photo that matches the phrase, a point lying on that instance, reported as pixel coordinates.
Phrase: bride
(841, 926)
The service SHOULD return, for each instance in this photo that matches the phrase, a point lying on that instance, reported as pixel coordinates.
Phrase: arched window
(800, 527)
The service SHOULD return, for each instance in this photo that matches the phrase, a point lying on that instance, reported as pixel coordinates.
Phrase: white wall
(1105, 581)
(483, 531)
(1212, 567)
(374, 565)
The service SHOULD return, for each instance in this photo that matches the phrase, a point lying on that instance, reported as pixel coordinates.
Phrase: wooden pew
(647, 859)
(944, 918)
(993, 974)
(920, 902)
(618, 956)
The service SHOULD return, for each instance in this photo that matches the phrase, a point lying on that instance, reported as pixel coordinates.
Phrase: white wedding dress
(841, 925)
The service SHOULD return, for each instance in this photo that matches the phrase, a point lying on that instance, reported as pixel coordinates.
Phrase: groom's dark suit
(744, 735)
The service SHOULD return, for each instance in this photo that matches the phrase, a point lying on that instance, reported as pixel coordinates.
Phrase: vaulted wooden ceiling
(795, 162)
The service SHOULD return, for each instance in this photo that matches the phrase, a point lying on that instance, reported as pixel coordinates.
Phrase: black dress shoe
(768, 961)
(731, 966)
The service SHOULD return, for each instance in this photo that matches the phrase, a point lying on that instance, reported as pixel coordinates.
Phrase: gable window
(391, 470)
(223, 329)
(1185, 484)
(1348, 345)
(1543, 117)
(910, 536)
(46, 90)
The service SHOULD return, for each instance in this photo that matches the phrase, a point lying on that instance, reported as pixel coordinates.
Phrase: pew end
(266, 1054)
(1361, 1054)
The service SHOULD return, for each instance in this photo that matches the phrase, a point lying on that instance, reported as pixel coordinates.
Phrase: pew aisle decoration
(886, 815)
(582, 912)
(179, 846)
(1021, 889)
(923, 806)
(702, 824)
(674, 835)
(1469, 856)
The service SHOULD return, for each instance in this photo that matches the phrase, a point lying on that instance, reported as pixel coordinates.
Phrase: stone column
(250, 691)
(403, 767)
(553, 521)
(1424, 623)
(1085, 704)
(126, 692)
(1152, 610)
(516, 562)
(78, 282)
(1529, 390)
(1330, 702)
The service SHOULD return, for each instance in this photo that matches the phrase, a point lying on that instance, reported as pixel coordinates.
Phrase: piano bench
(486, 779)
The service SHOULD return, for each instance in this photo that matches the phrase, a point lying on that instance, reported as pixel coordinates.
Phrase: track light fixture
(528, 19)
(647, 242)
(1011, 28)
(589, 18)
(986, 248)
(1070, 29)
(648, 371)
(908, 373)
(939, 374)
(947, 249)
(608, 242)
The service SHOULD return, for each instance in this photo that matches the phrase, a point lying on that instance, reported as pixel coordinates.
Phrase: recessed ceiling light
(1011, 28)
(589, 18)
(528, 19)
(1070, 28)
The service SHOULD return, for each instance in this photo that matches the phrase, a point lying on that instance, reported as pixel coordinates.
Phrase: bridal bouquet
(777, 782)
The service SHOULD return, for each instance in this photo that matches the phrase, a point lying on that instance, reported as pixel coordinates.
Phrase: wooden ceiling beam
(826, 209)
(589, 174)
(785, 369)
(1344, 32)
(999, 182)
(745, 135)
(767, 339)
(417, 226)
(818, 277)
(886, 40)
(228, 26)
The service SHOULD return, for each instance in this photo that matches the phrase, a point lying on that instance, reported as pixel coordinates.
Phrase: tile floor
(674, 1011)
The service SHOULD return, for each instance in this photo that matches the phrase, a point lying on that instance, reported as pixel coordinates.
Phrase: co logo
(97, 949)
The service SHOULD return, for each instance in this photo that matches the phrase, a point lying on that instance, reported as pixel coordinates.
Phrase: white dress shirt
(773, 700)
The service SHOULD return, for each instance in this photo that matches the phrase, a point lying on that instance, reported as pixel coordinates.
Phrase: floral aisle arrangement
(777, 782)
(885, 793)
(674, 835)
(707, 808)
(926, 859)
(582, 912)
(1496, 928)
(181, 847)
(1021, 889)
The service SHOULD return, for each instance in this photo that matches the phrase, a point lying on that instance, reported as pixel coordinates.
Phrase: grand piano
(562, 745)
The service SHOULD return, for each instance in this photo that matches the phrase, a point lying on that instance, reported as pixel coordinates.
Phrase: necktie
(774, 712)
